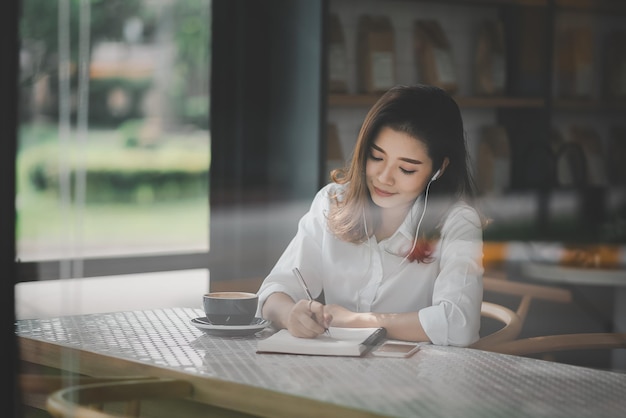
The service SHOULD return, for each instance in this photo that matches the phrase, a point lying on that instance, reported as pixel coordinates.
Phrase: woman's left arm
(400, 326)
(454, 316)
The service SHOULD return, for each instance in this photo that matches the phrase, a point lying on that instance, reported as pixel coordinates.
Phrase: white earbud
(436, 175)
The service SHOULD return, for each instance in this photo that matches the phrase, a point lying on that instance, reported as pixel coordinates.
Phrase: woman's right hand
(307, 319)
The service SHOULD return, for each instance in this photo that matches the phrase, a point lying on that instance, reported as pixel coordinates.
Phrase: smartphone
(396, 349)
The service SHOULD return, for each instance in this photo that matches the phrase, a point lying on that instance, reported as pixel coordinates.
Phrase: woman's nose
(385, 176)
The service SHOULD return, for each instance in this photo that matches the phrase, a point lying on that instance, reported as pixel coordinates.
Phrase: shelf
(612, 6)
(607, 6)
(500, 101)
(532, 105)
(541, 3)
(590, 104)
(367, 100)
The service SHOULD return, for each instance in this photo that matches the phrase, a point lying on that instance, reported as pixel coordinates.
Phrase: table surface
(226, 371)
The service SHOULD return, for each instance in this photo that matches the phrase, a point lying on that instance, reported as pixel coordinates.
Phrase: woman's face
(397, 170)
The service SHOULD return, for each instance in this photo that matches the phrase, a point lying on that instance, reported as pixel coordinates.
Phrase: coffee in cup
(230, 308)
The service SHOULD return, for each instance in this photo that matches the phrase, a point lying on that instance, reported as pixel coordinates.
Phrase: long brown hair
(430, 115)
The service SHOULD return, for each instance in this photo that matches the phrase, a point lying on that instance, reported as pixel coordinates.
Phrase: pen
(298, 275)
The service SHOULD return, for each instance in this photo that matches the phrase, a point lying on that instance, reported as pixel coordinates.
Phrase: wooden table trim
(230, 395)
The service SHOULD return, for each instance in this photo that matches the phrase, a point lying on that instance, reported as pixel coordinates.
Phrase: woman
(394, 240)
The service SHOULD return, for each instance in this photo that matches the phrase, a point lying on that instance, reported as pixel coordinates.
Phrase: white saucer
(230, 330)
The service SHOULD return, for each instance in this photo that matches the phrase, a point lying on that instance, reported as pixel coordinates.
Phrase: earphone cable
(419, 223)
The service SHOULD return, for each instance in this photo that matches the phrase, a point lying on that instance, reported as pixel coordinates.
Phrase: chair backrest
(545, 344)
(510, 329)
(526, 292)
(36, 387)
(560, 342)
(90, 400)
(128, 398)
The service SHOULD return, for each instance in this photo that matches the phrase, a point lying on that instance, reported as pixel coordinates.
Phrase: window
(113, 139)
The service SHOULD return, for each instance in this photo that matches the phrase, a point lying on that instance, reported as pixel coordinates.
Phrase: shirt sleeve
(454, 317)
(304, 252)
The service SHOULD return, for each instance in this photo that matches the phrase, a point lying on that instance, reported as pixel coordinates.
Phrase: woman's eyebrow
(412, 161)
(408, 160)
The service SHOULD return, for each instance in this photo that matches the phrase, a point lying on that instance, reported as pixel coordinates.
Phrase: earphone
(436, 175)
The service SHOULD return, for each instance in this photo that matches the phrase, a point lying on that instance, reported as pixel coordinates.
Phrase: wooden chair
(511, 325)
(545, 345)
(526, 292)
(512, 320)
(133, 398)
(560, 342)
(35, 387)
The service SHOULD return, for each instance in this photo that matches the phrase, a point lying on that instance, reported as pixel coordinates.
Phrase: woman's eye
(407, 171)
(373, 157)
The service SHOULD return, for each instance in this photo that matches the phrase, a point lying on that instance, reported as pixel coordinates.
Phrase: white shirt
(375, 276)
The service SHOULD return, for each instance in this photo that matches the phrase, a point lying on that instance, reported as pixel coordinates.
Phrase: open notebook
(342, 342)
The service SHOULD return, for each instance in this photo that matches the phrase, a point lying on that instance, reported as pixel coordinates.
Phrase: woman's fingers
(303, 320)
(320, 314)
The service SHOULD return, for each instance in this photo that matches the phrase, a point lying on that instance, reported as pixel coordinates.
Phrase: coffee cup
(230, 308)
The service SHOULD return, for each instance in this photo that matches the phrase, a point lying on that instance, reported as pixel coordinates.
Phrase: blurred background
(114, 144)
(191, 135)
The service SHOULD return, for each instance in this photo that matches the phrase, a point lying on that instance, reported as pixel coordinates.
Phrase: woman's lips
(382, 193)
